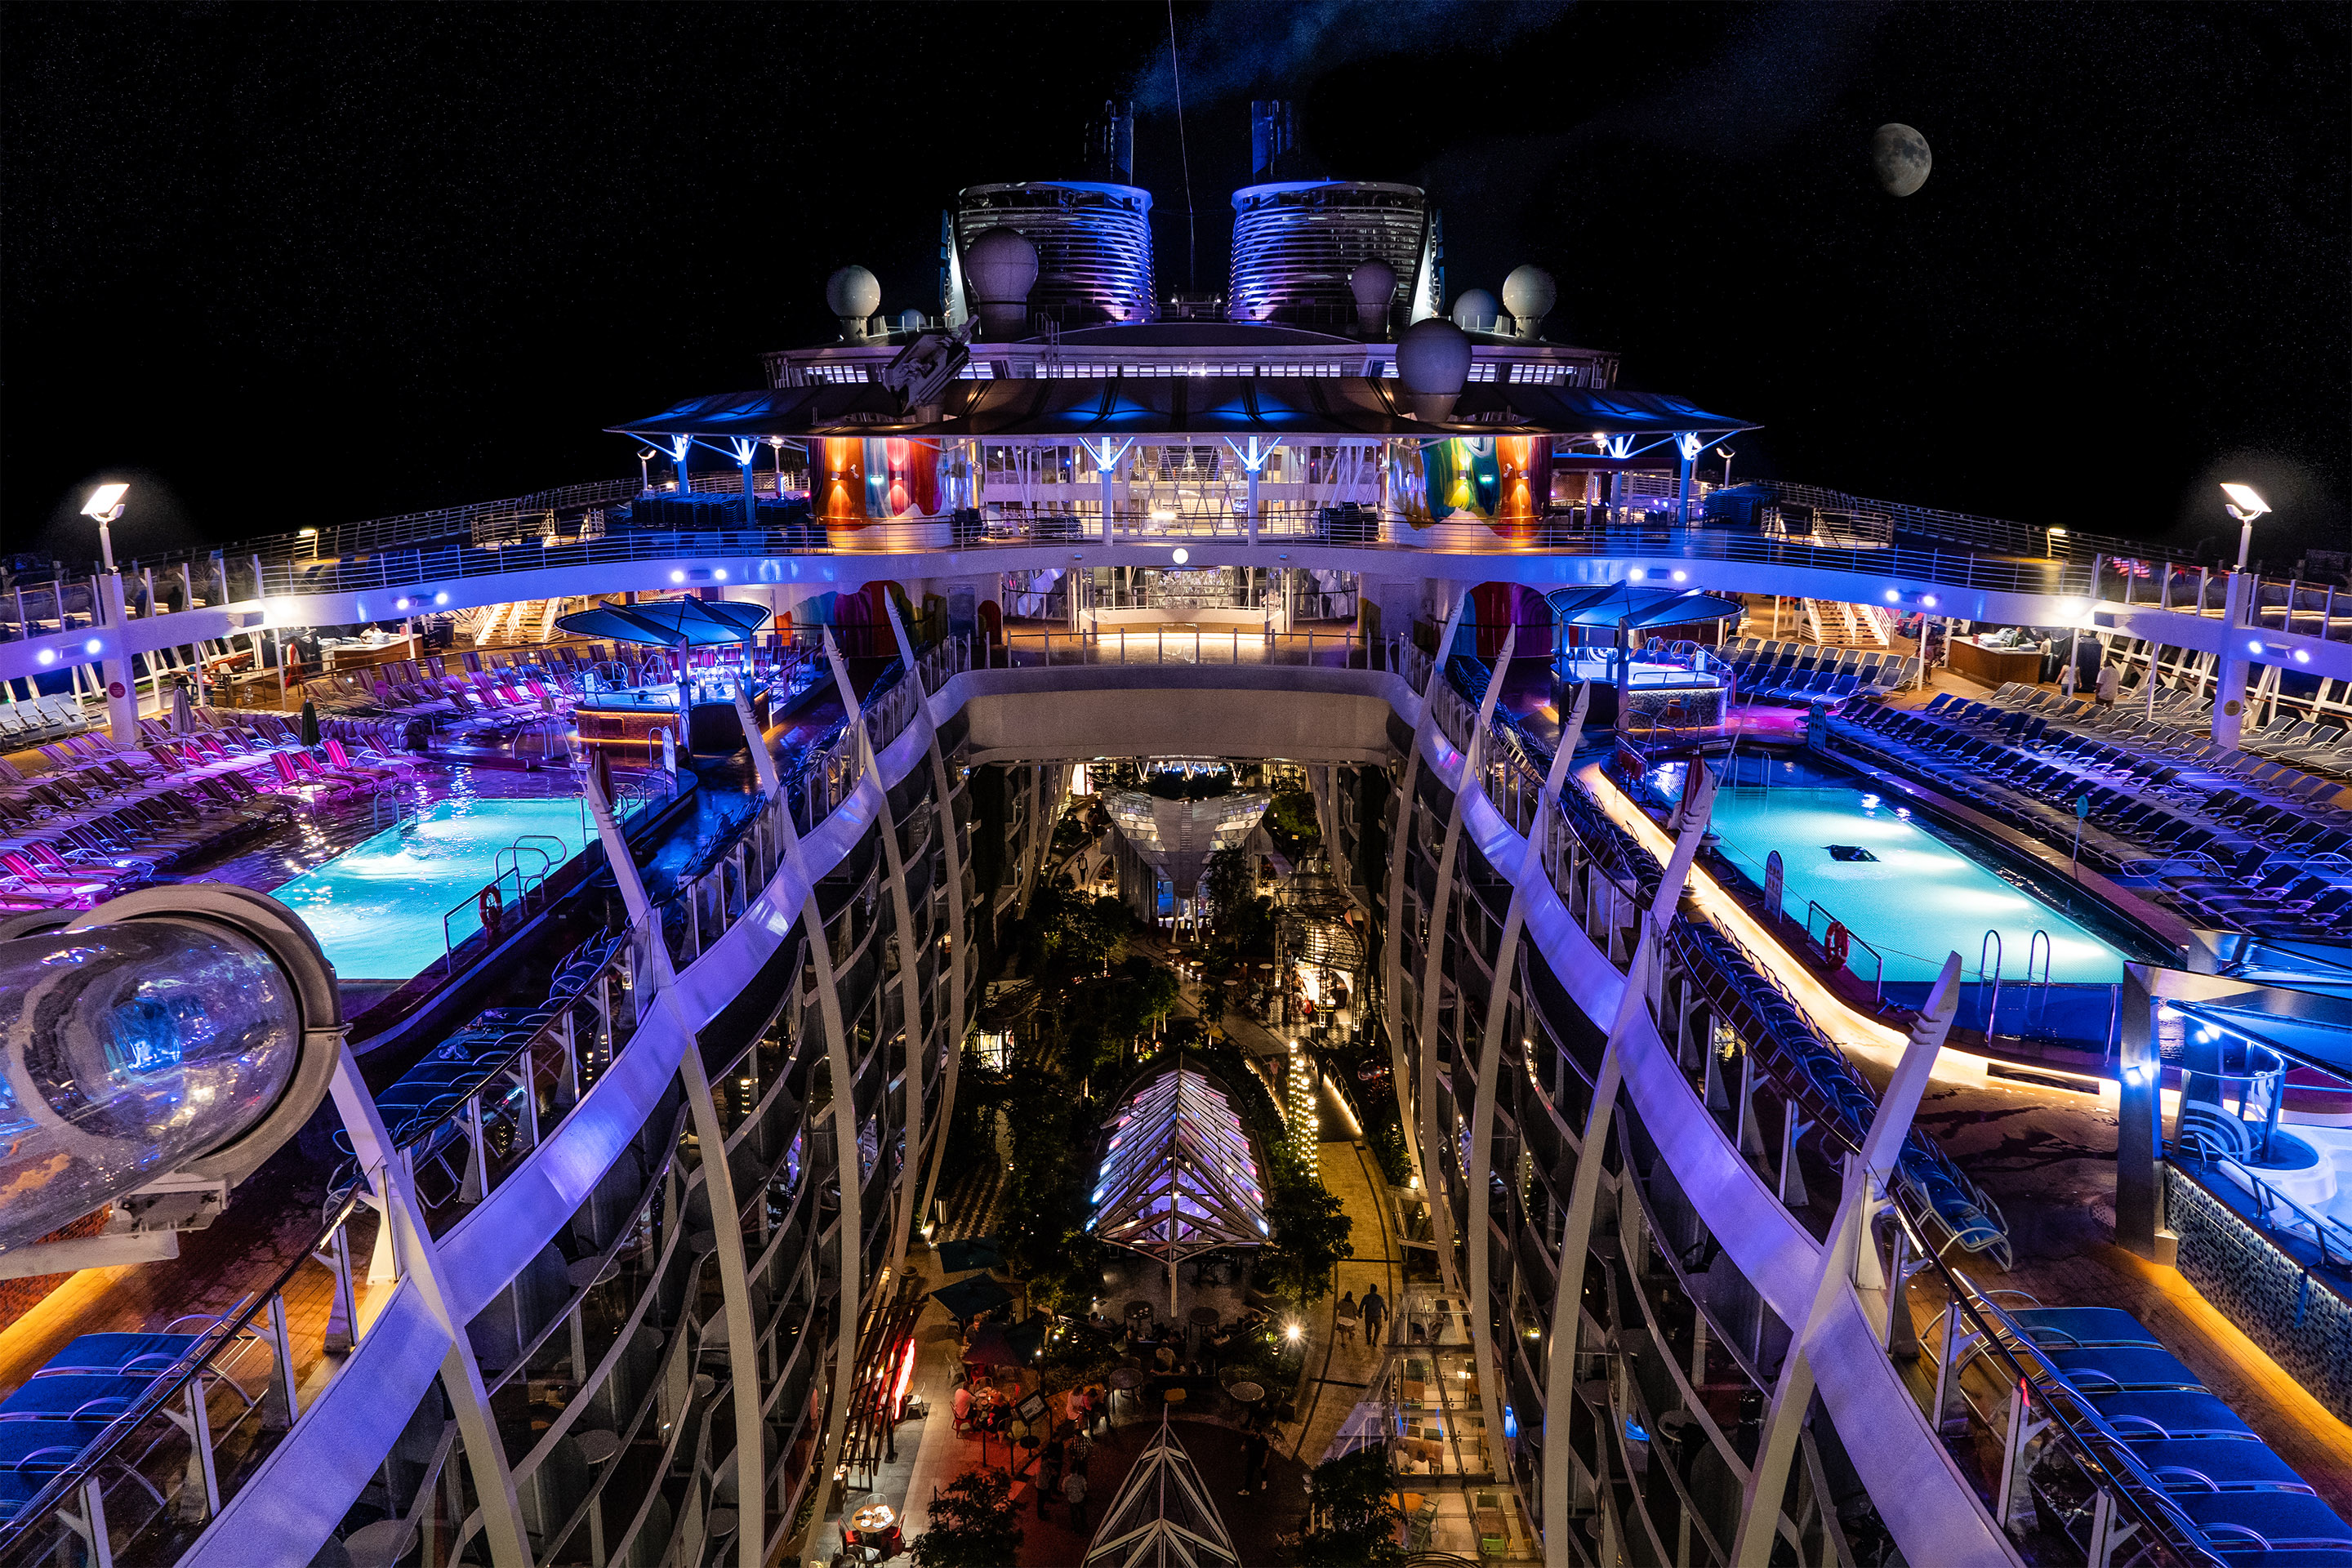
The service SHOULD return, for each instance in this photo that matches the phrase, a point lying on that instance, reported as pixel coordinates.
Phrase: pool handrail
(1878, 978)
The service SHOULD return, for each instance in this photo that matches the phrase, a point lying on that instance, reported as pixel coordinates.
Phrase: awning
(1201, 408)
(667, 622)
(1636, 607)
(1179, 1177)
(1161, 1515)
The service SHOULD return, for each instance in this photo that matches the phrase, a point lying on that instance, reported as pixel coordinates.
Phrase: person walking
(1375, 1316)
(1049, 1476)
(1254, 1456)
(1073, 1493)
(1343, 1318)
(2110, 682)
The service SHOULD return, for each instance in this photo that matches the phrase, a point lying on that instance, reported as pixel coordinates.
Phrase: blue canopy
(1637, 607)
(667, 622)
(1198, 405)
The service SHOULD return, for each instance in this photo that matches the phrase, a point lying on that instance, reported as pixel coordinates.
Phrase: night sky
(285, 265)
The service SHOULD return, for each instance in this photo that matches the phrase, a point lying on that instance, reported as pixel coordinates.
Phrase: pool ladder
(2037, 992)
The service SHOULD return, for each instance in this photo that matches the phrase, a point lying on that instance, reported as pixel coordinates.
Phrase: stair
(1835, 624)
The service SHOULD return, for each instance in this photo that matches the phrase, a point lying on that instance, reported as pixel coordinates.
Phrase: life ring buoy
(493, 905)
(1838, 942)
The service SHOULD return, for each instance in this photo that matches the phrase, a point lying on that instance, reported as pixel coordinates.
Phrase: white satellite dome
(853, 294)
(1474, 311)
(1529, 294)
(1373, 283)
(910, 321)
(1000, 268)
(1433, 364)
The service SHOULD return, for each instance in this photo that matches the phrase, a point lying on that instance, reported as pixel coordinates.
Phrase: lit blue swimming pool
(376, 908)
(1914, 898)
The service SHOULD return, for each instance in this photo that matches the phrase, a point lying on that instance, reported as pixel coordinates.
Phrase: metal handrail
(69, 1485)
(1879, 977)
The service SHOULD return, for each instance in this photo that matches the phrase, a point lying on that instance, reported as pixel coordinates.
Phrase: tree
(1311, 1229)
(1230, 877)
(973, 1525)
(1353, 1522)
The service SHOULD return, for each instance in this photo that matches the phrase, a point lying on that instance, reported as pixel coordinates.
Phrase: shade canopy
(668, 623)
(1179, 406)
(967, 1253)
(969, 1298)
(1161, 1515)
(1178, 1177)
(1636, 607)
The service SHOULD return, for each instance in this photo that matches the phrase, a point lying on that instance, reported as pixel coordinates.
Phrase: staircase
(1837, 624)
(524, 621)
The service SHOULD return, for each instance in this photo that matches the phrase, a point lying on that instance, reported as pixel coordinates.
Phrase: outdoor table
(1246, 1393)
(1203, 1317)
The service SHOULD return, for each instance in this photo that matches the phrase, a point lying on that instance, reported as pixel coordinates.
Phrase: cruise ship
(1256, 927)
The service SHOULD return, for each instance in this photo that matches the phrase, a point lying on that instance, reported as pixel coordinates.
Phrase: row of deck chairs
(2276, 757)
(103, 818)
(47, 1425)
(2180, 836)
(1832, 1094)
(24, 724)
(1764, 670)
(417, 1108)
(2182, 719)
(2248, 1502)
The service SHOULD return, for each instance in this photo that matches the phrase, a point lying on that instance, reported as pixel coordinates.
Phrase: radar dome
(1000, 268)
(1373, 283)
(910, 321)
(1433, 364)
(1529, 294)
(1474, 311)
(853, 294)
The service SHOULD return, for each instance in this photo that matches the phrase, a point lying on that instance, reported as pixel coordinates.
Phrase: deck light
(306, 533)
(2255, 645)
(2303, 655)
(1180, 555)
(1893, 595)
(400, 604)
(92, 646)
(720, 573)
(1636, 574)
(678, 577)
(105, 504)
(1291, 1333)
(441, 598)
(1928, 600)
(2242, 502)
(1682, 576)
(48, 656)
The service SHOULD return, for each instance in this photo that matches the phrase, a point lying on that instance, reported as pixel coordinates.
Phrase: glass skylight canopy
(1179, 1177)
(1162, 1516)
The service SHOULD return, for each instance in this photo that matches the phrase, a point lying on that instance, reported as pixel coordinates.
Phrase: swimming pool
(1907, 892)
(376, 908)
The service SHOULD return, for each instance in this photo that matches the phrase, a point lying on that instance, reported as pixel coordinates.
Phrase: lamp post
(645, 474)
(105, 504)
(1725, 453)
(2242, 503)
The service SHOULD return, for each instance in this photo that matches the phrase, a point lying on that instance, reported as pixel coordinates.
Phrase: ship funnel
(1373, 283)
(1001, 267)
(853, 295)
(1529, 294)
(1433, 364)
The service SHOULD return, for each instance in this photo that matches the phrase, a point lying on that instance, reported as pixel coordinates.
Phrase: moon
(1899, 157)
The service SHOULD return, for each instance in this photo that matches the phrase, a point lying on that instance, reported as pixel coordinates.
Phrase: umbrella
(968, 1298)
(997, 1345)
(310, 722)
(669, 622)
(183, 719)
(969, 1252)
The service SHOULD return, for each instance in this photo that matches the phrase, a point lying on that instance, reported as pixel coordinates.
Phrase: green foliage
(1354, 1522)
(1311, 1230)
(973, 1525)
(1293, 815)
(1065, 933)
(1229, 879)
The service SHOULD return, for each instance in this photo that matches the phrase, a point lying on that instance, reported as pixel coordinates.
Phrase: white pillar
(2230, 673)
(121, 695)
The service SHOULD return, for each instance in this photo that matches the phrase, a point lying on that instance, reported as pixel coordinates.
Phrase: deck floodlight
(2244, 504)
(105, 502)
